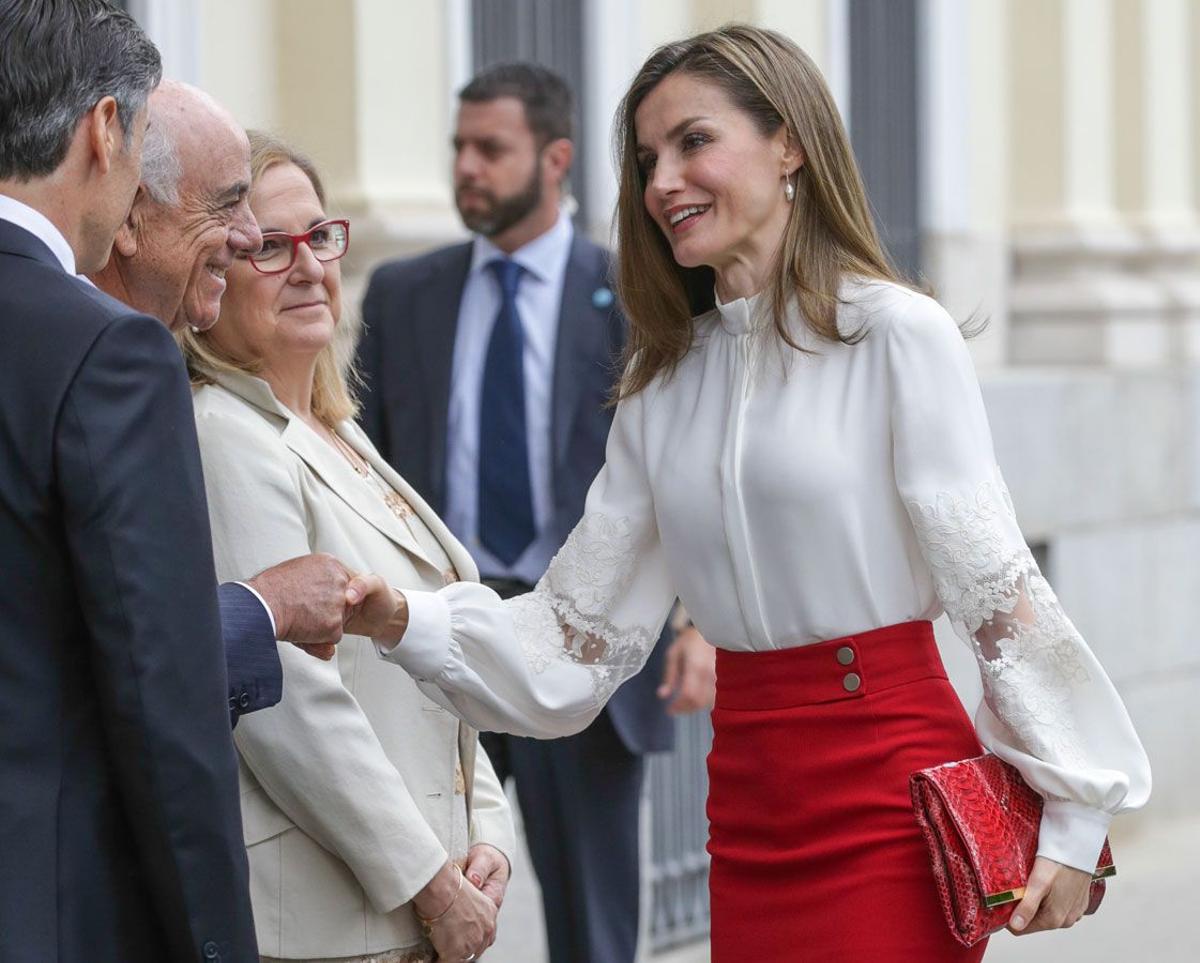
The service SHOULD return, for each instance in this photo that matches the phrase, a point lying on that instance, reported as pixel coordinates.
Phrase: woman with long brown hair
(800, 454)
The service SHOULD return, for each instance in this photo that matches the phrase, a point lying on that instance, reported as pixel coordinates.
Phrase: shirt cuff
(263, 602)
(424, 649)
(1073, 834)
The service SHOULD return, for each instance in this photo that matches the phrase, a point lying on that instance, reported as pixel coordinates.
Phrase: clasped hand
(315, 599)
(464, 914)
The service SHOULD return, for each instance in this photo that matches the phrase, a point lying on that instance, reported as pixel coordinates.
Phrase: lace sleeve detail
(1032, 660)
(570, 616)
(1048, 707)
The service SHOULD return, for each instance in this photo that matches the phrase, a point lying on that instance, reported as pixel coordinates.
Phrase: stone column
(963, 165)
(173, 25)
(1156, 156)
(620, 34)
(1075, 299)
(820, 27)
(366, 86)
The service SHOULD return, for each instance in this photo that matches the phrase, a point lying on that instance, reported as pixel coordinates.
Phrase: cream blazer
(347, 785)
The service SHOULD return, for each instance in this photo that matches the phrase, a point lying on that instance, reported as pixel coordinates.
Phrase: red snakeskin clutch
(981, 821)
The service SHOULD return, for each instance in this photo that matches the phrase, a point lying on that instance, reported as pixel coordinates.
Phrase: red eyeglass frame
(305, 238)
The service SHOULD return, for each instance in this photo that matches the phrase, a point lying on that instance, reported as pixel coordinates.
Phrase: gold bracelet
(428, 924)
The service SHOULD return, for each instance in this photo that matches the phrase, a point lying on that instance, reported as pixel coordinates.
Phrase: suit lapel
(468, 743)
(326, 462)
(435, 306)
(458, 555)
(581, 334)
(357, 492)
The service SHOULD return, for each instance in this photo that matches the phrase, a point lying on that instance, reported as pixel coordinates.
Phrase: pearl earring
(789, 189)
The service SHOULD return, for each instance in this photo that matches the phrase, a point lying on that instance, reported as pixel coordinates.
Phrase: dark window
(1042, 555)
(547, 32)
(884, 119)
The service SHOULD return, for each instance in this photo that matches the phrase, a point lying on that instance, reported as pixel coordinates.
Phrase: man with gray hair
(191, 215)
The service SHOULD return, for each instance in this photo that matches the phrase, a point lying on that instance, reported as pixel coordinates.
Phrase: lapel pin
(602, 298)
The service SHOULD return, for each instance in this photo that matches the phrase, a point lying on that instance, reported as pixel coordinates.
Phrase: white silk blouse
(787, 498)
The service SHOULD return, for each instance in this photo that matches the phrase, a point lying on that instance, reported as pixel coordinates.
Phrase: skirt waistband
(851, 667)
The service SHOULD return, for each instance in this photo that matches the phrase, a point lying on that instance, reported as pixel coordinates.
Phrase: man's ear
(126, 241)
(104, 132)
(556, 158)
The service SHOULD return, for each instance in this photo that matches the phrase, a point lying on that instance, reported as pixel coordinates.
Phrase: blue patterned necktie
(506, 524)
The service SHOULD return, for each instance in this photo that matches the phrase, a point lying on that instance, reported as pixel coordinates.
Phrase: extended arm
(545, 663)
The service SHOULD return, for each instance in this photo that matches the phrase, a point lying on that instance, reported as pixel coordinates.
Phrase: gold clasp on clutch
(1004, 896)
(1012, 895)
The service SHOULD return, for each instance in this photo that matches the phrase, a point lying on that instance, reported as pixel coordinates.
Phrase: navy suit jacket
(251, 655)
(120, 829)
(410, 314)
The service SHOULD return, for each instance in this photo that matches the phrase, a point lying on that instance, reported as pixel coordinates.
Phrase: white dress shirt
(789, 498)
(40, 226)
(539, 303)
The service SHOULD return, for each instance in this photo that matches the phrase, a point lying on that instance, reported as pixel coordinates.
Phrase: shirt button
(845, 655)
(851, 682)
(211, 952)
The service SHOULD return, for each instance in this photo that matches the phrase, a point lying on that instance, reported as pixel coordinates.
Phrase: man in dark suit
(120, 835)
(120, 832)
(488, 366)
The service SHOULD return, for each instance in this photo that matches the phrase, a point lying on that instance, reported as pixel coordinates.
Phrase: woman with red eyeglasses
(375, 828)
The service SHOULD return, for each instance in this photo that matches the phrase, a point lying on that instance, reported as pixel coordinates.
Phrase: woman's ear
(793, 156)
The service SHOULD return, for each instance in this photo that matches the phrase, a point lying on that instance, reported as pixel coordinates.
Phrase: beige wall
(239, 58)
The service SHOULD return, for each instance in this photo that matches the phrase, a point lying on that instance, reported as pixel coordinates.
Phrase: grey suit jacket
(410, 314)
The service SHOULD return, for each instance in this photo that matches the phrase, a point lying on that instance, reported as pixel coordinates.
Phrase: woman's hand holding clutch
(1055, 898)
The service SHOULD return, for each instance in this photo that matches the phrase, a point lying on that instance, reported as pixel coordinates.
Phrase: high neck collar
(743, 315)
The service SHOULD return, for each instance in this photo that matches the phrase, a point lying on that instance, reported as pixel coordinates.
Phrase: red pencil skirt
(816, 855)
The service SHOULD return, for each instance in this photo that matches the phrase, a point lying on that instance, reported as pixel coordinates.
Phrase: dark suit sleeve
(251, 652)
(370, 354)
(132, 494)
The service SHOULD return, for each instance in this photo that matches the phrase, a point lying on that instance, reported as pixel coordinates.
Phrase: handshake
(314, 599)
